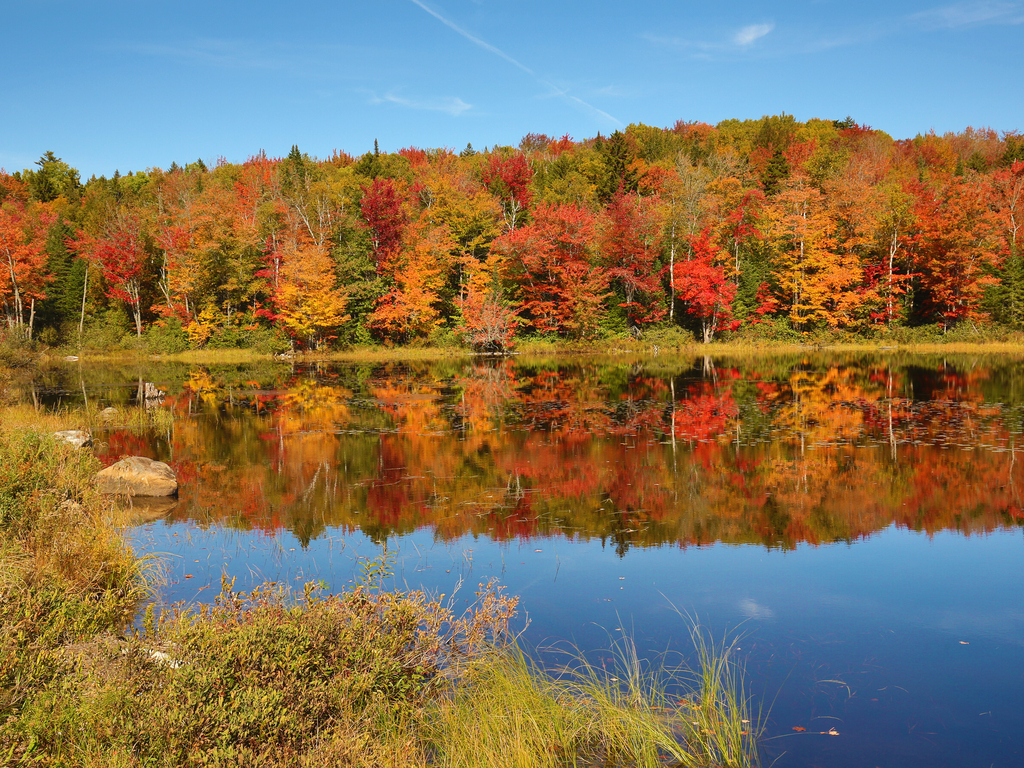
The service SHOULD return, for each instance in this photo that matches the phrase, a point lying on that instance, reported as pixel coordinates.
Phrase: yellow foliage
(309, 305)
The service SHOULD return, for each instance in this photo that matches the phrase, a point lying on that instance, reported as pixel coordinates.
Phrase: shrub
(667, 336)
(167, 338)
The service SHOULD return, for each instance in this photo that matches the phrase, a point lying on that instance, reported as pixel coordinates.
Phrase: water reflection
(773, 452)
(857, 518)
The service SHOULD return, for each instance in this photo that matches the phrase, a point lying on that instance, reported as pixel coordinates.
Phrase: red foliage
(703, 287)
(508, 178)
(386, 218)
(629, 247)
(564, 144)
(562, 290)
(23, 274)
(956, 243)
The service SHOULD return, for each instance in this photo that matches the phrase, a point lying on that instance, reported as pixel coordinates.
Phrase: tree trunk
(672, 274)
(85, 291)
(18, 309)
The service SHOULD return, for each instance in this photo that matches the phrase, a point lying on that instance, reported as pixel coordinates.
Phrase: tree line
(767, 227)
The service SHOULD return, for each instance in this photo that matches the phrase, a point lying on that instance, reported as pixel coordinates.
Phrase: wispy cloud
(612, 90)
(450, 105)
(753, 32)
(955, 16)
(234, 54)
(753, 610)
(246, 55)
(723, 46)
(560, 92)
(473, 38)
(961, 15)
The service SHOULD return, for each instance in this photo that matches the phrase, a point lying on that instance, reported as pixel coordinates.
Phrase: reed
(25, 416)
(507, 711)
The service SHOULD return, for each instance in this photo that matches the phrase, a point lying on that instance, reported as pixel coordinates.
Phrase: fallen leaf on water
(744, 733)
(964, 642)
(799, 728)
(188, 575)
(833, 732)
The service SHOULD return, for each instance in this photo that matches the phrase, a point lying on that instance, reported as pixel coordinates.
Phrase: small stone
(108, 413)
(137, 476)
(76, 437)
(70, 507)
(165, 659)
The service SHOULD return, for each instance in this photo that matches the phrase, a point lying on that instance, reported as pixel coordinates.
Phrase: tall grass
(507, 711)
(89, 417)
(66, 574)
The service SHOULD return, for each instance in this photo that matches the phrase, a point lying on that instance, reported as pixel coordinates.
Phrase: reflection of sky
(909, 646)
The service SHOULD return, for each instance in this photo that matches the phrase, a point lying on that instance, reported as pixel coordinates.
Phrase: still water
(855, 522)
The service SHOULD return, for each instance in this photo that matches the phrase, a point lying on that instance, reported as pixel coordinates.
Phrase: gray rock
(137, 476)
(76, 437)
(108, 414)
(152, 396)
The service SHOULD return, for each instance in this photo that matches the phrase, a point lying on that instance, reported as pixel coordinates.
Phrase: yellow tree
(856, 205)
(309, 306)
(490, 319)
(819, 283)
(411, 309)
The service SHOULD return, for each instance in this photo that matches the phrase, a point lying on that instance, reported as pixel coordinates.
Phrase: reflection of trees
(811, 451)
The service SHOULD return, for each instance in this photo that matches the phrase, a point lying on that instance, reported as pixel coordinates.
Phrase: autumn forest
(768, 229)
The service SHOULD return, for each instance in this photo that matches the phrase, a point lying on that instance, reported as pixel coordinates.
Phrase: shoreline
(604, 349)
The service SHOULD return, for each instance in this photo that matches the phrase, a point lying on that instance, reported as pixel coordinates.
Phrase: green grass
(508, 712)
(201, 356)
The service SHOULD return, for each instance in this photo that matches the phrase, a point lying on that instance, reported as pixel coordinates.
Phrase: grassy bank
(654, 343)
(617, 349)
(90, 676)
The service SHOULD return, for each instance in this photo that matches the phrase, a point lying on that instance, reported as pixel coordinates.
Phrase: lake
(854, 522)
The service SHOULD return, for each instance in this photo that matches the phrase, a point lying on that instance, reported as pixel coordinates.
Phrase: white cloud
(561, 92)
(753, 32)
(472, 38)
(451, 105)
(970, 15)
(752, 610)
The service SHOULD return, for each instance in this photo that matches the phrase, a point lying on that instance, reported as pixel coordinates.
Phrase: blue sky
(130, 85)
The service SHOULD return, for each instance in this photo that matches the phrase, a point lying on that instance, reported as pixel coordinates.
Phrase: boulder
(137, 476)
(109, 413)
(76, 437)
